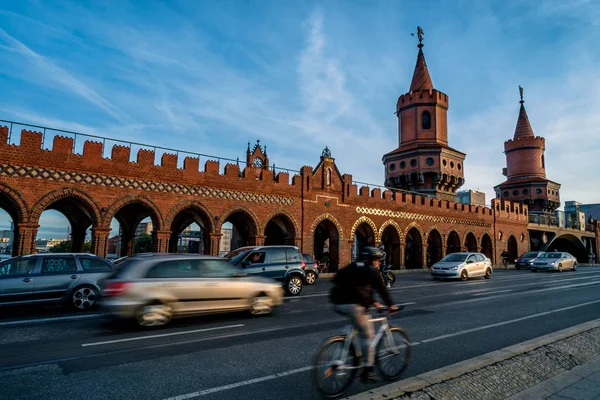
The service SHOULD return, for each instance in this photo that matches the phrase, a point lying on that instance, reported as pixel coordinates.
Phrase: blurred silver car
(556, 260)
(53, 277)
(153, 289)
(463, 266)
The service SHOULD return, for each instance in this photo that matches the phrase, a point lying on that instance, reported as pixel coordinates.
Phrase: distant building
(143, 227)
(591, 211)
(471, 197)
(577, 214)
(225, 246)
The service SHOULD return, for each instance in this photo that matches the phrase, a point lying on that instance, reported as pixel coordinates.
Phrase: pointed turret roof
(421, 78)
(523, 129)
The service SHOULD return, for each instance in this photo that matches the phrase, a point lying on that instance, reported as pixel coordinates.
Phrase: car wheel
(560, 268)
(261, 305)
(574, 267)
(463, 275)
(311, 278)
(84, 297)
(294, 285)
(153, 315)
(488, 273)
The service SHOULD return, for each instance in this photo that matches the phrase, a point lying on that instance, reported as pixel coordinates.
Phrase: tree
(65, 247)
(142, 244)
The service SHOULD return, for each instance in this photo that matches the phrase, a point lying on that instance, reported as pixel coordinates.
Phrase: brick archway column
(215, 243)
(402, 261)
(24, 239)
(259, 240)
(100, 241)
(160, 244)
(78, 239)
(424, 256)
(298, 242)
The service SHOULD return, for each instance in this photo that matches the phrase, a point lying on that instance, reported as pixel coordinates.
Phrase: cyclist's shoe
(368, 375)
(388, 285)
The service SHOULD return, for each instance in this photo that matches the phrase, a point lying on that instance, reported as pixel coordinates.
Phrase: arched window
(426, 120)
(328, 177)
(543, 162)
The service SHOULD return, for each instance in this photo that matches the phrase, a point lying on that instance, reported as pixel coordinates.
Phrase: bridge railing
(48, 134)
(550, 220)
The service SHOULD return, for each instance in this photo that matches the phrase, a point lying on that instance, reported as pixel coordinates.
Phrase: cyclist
(352, 295)
(504, 256)
(383, 266)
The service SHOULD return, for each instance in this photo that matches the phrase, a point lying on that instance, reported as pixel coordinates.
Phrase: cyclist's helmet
(371, 253)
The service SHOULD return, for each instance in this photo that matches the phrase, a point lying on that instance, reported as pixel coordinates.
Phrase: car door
(255, 263)
(178, 283)
(221, 289)
(471, 265)
(57, 277)
(278, 264)
(17, 280)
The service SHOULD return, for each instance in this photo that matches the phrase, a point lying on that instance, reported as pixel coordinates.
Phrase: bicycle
(345, 363)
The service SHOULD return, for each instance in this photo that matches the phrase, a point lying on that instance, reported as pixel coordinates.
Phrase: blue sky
(209, 76)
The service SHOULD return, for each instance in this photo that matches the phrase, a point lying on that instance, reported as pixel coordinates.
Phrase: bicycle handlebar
(386, 309)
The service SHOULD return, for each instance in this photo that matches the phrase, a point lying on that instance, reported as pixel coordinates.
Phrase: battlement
(513, 144)
(423, 96)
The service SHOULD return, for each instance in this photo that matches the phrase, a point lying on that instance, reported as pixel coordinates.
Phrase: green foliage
(142, 244)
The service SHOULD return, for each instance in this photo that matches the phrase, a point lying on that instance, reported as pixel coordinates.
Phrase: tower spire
(421, 79)
(523, 129)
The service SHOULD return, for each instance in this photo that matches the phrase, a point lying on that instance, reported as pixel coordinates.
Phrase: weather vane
(521, 93)
(419, 35)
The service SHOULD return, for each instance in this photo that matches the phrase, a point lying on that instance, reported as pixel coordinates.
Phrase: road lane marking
(449, 335)
(497, 291)
(240, 384)
(53, 319)
(161, 335)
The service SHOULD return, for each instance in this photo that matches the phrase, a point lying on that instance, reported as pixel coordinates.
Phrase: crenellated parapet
(421, 97)
(537, 142)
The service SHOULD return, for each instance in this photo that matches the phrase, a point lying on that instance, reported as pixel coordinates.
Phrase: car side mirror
(245, 263)
(470, 262)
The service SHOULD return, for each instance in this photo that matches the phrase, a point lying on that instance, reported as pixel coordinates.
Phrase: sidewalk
(560, 365)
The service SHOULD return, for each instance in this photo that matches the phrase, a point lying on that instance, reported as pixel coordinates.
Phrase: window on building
(426, 120)
(328, 178)
(392, 166)
(429, 161)
(506, 194)
(402, 164)
(515, 192)
(413, 163)
(543, 162)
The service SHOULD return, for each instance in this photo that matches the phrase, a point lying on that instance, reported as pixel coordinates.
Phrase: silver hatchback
(153, 289)
(53, 277)
(463, 266)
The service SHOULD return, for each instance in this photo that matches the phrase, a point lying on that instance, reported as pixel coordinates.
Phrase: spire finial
(521, 93)
(420, 36)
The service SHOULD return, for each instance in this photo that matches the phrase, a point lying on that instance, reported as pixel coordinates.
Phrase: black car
(527, 259)
(311, 269)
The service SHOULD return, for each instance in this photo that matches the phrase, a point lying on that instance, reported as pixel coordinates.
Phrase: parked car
(463, 266)
(282, 263)
(555, 260)
(154, 289)
(53, 277)
(527, 259)
(311, 269)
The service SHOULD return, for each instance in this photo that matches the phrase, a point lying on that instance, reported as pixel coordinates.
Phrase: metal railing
(79, 139)
(550, 220)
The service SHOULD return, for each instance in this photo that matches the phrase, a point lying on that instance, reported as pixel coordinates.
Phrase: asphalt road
(55, 354)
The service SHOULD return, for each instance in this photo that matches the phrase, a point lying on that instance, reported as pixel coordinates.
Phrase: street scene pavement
(51, 353)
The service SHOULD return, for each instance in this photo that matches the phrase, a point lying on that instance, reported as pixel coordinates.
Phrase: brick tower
(525, 170)
(423, 161)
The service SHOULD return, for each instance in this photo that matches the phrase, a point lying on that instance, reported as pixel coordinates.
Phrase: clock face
(258, 162)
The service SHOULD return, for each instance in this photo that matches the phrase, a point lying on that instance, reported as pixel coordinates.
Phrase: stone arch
(369, 222)
(453, 241)
(435, 244)
(14, 204)
(486, 245)
(183, 215)
(235, 209)
(289, 231)
(470, 241)
(332, 219)
(413, 246)
(245, 227)
(512, 247)
(417, 227)
(391, 222)
(157, 218)
(65, 193)
(193, 204)
(571, 244)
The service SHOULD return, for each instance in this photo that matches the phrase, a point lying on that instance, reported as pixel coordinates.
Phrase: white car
(556, 260)
(462, 266)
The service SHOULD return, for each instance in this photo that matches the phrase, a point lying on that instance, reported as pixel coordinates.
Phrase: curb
(446, 373)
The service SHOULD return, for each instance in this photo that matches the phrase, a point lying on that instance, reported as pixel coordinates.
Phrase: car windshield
(551, 255)
(454, 258)
(235, 252)
(531, 254)
(125, 265)
(237, 258)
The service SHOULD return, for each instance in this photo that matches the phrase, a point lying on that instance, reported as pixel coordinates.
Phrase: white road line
(54, 319)
(240, 384)
(449, 335)
(497, 291)
(161, 335)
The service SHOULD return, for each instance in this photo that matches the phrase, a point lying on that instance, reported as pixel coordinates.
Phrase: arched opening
(190, 232)
(570, 244)
(9, 218)
(513, 250)
(328, 177)
(64, 225)
(453, 243)
(239, 230)
(391, 243)
(434, 248)
(280, 231)
(326, 245)
(486, 246)
(471, 243)
(133, 227)
(426, 120)
(413, 249)
(363, 236)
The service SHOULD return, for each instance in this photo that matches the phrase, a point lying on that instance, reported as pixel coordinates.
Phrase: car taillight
(303, 265)
(115, 288)
(316, 265)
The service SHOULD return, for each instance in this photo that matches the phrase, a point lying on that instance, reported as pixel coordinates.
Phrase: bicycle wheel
(332, 375)
(393, 353)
